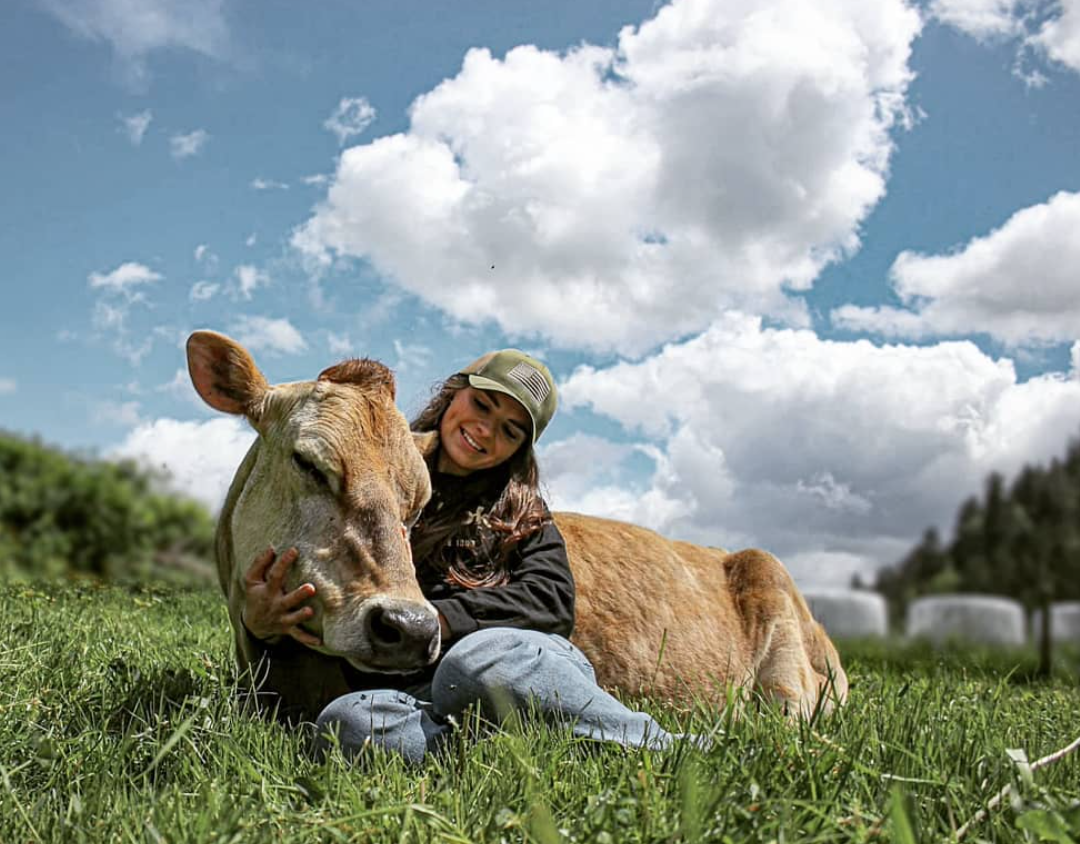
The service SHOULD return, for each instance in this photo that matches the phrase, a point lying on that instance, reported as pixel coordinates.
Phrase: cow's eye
(308, 468)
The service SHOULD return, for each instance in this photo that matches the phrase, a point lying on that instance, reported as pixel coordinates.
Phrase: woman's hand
(269, 610)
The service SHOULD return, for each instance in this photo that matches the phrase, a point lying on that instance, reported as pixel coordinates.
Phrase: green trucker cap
(521, 376)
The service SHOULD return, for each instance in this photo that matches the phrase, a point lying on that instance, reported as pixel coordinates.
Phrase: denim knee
(501, 667)
(383, 717)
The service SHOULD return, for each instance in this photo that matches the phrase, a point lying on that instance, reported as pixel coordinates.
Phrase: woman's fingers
(298, 596)
(257, 572)
(292, 619)
(305, 638)
(276, 576)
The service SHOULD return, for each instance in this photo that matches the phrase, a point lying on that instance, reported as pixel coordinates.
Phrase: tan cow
(336, 472)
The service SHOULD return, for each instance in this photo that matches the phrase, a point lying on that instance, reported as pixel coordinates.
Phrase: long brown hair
(470, 540)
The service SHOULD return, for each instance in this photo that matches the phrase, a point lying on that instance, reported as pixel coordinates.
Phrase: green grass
(118, 722)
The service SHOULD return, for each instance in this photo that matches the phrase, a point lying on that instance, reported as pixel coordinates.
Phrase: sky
(805, 271)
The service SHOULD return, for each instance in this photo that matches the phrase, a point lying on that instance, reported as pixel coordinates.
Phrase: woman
(490, 559)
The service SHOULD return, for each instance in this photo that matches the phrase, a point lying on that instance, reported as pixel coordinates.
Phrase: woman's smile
(480, 430)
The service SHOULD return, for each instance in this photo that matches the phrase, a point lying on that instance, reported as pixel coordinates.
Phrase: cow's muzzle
(401, 636)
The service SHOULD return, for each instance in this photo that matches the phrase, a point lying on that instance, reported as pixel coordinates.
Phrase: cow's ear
(426, 442)
(224, 374)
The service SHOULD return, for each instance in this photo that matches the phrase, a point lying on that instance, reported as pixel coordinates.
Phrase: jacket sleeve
(539, 596)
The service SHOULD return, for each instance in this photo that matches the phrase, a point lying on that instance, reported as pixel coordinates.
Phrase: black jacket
(540, 591)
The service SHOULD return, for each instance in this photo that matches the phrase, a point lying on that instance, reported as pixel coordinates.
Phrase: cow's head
(338, 475)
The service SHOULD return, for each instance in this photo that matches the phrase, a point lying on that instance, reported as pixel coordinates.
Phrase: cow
(336, 473)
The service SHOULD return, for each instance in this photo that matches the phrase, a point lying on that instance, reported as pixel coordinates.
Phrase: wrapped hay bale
(978, 619)
(848, 613)
(1064, 622)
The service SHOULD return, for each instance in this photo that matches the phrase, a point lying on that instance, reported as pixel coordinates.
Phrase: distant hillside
(62, 513)
(1022, 541)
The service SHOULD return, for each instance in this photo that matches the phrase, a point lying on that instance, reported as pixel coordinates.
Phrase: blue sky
(805, 271)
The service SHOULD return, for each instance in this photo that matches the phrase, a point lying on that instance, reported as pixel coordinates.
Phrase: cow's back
(653, 614)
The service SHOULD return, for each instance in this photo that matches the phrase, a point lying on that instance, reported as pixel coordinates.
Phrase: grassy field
(119, 723)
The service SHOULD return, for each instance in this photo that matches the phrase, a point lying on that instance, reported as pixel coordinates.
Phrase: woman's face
(479, 430)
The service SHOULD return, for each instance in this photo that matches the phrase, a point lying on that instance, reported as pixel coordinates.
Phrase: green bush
(65, 514)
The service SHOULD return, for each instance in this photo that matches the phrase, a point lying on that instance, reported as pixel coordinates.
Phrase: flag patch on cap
(531, 379)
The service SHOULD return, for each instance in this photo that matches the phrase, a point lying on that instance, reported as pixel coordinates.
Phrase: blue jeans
(501, 669)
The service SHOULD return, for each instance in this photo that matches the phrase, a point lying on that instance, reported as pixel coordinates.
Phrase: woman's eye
(480, 404)
(308, 468)
(512, 434)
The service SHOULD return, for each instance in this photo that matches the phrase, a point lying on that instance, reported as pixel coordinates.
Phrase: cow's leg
(791, 663)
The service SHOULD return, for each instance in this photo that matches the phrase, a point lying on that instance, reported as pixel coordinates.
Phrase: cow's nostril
(385, 627)
(402, 637)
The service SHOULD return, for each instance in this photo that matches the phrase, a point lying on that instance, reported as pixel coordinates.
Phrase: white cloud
(135, 126)
(1018, 283)
(8, 386)
(339, 344)
(318, 180)
(980, 18)
(249, 279)
(1059, 37)
(351, 117)
(136, 28)
(202, 291)
(119, 293)
(1051, 29)
(181, 389)
(200, 457)
(260, 183)
(124, 278)
(185, 146)
(251, 239)
(807, 447)
(276, 336)
(719, 157)
(127, 413)
(1074, 357)
(411, 356)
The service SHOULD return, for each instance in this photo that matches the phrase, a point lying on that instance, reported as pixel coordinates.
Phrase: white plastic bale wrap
(1064, 622)
(848, 613)
(979, 619)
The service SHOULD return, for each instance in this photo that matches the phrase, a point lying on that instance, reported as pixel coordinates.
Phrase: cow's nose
(402, 637)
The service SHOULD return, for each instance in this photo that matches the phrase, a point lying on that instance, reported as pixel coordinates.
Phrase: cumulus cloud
(119, 291)
(1018, 283)
(1059, 37)
(981, 19)
(199, 457)
(720, 155)
(411, 356)
(185, 146)
(202, 291)
(126, 413)
(249, 279)
(811, 448)
(124, 279)
(136, 28)
(8, 386)
(351, 117)
(180, 388)
(339, 344)
(135, 126)
(260, 183)
(264, 334)
(1047, 29)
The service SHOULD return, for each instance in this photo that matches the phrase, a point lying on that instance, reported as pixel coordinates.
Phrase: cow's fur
(653, 615)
